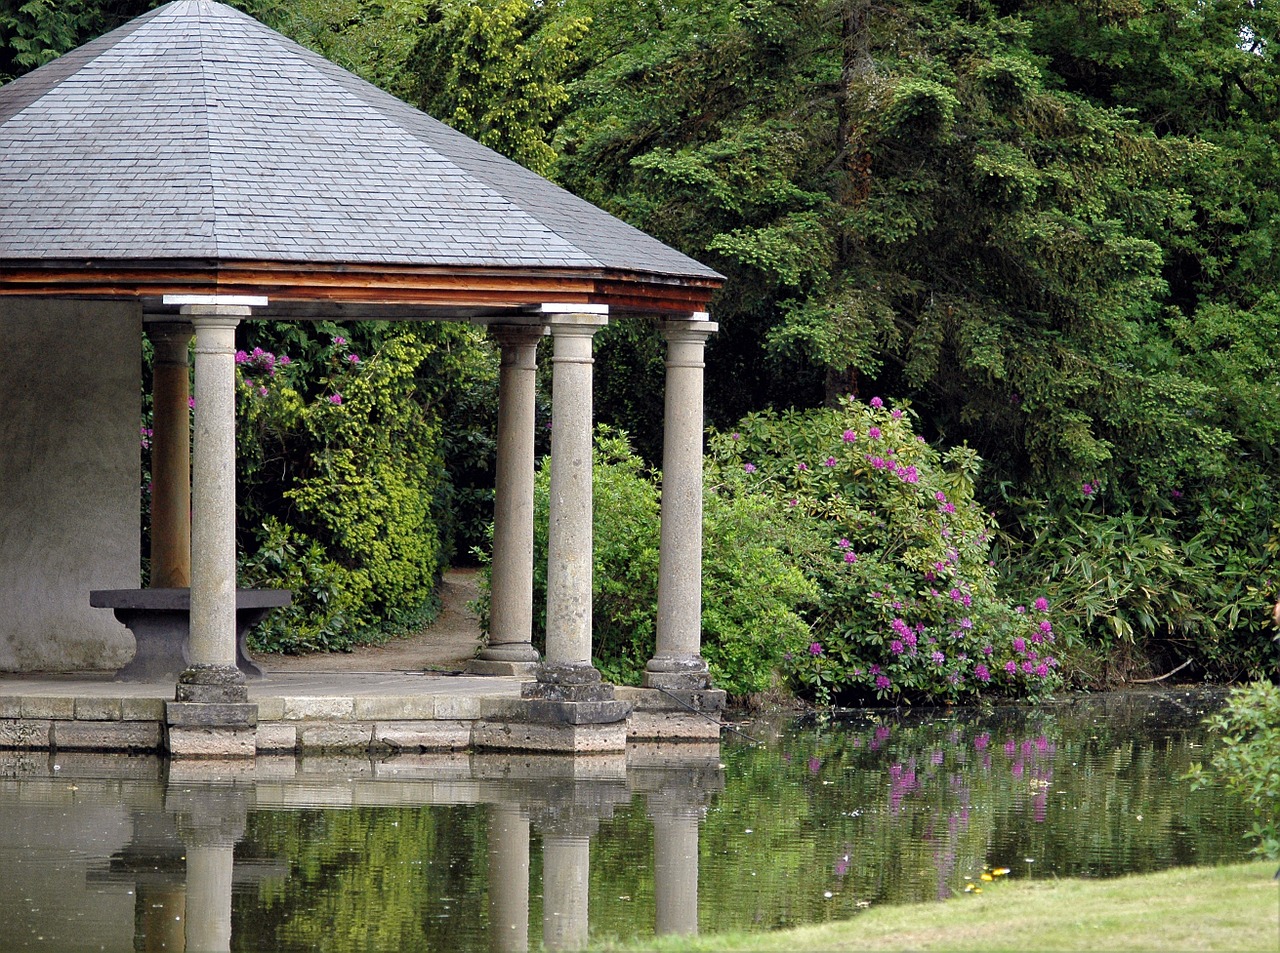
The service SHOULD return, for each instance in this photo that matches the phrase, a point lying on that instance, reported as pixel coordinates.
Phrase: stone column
(213, 676)
(567, 672)
(170, 457)
(508, 879)
(510, 650)
(677, 664)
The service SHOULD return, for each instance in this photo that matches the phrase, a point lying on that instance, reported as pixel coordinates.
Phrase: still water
(815, 820)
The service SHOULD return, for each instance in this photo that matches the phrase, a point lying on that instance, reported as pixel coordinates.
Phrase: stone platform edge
(344, 724)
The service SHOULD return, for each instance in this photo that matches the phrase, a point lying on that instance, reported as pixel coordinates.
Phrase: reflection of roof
(196, 134)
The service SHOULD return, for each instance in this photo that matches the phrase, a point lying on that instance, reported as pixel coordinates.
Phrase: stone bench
(160, 622)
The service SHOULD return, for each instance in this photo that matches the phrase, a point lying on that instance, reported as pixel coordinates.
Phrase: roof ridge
(208, 144)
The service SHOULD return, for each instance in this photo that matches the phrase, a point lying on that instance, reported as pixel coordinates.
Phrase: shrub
(887, 530)
(1182, 578)
(750, 592)
(338, 468)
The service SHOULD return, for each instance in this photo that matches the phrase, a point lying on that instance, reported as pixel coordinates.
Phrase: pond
(811, 820)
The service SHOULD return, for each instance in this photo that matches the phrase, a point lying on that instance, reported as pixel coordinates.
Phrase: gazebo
(194, 169)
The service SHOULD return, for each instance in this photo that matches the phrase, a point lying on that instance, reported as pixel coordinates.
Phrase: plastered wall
(69, 480)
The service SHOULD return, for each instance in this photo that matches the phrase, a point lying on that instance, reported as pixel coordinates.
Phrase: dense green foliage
(751, 596)
(337, 472)
(343, 493)
(888, 531)
(1050, 226)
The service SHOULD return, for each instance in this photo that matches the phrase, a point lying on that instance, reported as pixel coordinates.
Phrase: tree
(494, 69)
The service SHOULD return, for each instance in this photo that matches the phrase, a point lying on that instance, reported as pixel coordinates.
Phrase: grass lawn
(1234, 908)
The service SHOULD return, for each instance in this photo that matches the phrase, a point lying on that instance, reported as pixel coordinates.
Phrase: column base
(677, 674)
(515, 658)
(561, 738)
(568, 683)
(212, 685)
(218, 730)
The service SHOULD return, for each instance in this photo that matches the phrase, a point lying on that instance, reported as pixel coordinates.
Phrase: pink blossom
(876, 402)
(850, 436)
(335, 398)
(1041, 604)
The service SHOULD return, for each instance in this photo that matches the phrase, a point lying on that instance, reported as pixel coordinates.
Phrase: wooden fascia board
(359, 284)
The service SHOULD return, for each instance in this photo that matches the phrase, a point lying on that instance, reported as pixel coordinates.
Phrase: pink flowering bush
(338, 468)
(887, 528)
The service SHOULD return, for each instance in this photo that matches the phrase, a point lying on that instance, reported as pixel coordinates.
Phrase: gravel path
(447, 644)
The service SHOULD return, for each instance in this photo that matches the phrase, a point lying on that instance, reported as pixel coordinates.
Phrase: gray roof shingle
(196, 132)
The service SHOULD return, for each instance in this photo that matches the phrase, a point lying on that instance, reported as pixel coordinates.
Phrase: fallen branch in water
(1160, 678)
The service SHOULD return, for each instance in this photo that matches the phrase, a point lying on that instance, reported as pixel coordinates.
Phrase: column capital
(517, 335)
(689, 330)
(167, 327)
(577, 322)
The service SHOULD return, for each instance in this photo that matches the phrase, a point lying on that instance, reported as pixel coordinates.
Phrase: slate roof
(196, 133)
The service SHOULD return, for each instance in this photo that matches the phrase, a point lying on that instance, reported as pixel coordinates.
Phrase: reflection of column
(566, 870)
(170, 457)
(508, 879)
(159, 912)
(209, 870)
(211, 820)
(213, 675)
(675, 870)
(510, 650)
(677, 663)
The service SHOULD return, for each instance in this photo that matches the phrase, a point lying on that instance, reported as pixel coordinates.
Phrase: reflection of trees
(897, 809)
(394, 878)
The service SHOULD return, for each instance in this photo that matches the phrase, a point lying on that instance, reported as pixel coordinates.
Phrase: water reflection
(509, 853)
